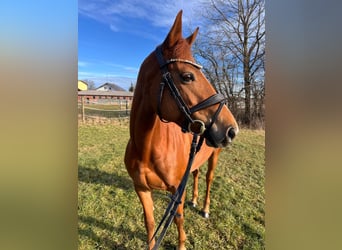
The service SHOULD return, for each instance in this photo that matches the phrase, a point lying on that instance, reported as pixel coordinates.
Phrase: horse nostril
(231, 133)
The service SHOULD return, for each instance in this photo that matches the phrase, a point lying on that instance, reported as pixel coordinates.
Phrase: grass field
(110, 214)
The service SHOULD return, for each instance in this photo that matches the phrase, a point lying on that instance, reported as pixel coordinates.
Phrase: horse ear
(192, 37)
(176, 31)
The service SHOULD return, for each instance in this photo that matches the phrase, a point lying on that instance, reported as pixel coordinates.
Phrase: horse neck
(143, 118)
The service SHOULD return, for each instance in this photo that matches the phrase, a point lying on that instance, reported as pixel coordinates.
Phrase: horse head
(179, 92)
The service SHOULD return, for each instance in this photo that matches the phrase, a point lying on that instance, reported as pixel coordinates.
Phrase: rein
(176, 198)
(196, 127)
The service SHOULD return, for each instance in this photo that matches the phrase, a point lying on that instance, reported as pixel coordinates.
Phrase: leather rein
(196, 127)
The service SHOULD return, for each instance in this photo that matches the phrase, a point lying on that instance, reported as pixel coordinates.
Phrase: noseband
(190, 125)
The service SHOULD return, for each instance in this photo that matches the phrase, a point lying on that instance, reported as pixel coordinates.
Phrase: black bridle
(190, 125)
(196, 127)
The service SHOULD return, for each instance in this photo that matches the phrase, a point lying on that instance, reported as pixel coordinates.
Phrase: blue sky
(115, 36)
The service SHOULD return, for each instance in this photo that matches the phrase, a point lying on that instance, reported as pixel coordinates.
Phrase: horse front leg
(146, 200)
(179, 221)
(193, 201)
(212, 162)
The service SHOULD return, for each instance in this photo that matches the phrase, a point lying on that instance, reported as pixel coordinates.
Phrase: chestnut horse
(172, 99)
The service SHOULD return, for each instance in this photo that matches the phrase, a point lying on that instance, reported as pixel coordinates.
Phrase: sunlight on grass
(110, 214)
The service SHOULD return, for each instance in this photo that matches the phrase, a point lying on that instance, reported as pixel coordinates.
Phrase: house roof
(81, 85)
(105, 93)
(83, 82)
(113, 86)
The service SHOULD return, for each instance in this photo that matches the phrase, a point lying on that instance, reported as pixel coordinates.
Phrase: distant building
(98, 96)
(82, 85)
(109, 87)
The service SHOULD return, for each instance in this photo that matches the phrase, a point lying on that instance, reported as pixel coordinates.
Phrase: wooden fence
(103, 109)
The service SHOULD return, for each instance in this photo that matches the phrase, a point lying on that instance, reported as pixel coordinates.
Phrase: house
(109, 87)
(81, 85)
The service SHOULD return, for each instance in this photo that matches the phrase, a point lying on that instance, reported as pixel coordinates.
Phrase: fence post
(126, 107)
(83, 117)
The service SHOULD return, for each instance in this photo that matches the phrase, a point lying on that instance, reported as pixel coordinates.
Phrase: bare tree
(91, 84)
(131, 88)
(234, 49)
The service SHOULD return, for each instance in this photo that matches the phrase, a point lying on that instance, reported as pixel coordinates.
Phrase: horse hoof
(191, 204)
(205, 215)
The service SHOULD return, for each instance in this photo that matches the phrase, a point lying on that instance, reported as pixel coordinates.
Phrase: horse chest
(168, 168)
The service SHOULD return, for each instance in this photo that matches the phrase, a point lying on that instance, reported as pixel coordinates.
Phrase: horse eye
(187, 77)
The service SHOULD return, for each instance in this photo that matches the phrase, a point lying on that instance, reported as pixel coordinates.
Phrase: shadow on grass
(104, 242)
(168, 245)
(96, 176)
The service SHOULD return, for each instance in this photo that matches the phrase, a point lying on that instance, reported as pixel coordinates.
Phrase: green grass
(111, 216)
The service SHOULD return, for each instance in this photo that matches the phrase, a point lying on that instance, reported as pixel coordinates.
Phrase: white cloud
(159, 13)
(114, 28)
(99, 79)
(108, 69)
(82, 64)
(132, 69)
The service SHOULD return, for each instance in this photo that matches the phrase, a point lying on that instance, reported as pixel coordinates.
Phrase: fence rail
(103, 109)
(119, 109)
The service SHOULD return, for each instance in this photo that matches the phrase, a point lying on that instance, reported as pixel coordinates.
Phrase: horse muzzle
(218, 138)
